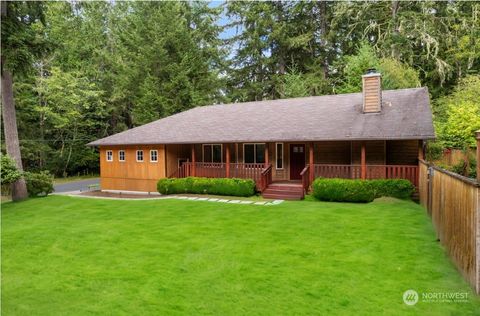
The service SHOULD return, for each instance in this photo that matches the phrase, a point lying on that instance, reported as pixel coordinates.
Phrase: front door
(297, 160)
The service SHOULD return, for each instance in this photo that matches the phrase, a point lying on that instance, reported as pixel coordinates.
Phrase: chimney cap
(372, 72)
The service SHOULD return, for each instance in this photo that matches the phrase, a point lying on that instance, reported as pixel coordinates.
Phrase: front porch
(303, 162)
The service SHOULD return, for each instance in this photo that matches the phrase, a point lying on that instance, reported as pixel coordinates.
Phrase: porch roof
(405, 114)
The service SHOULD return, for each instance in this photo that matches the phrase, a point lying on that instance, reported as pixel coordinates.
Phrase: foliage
(397, 188)
(463, 119)
(22, 38)
(458, 114)
(395, 75)
(434, 151)
(347, 190)
(40, 183)
(342, 190)
(128, 63)
(215, 186)
(467, 90)
(436, 38)
(464, 169)
(8, 170)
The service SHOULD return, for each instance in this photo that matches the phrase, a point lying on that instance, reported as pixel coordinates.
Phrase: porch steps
(283, 191)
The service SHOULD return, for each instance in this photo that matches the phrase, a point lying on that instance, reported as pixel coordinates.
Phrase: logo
(410, 297)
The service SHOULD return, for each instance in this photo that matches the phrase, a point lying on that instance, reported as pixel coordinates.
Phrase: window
(279, 155)
(109, 155)
(253, 153)
(140, 155)
(121, 155)
(212, 153)
(153, 155)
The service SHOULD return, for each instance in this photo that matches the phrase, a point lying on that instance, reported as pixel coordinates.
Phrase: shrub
(342, 190)
(397, 188)
(9, 172)
(434, 151)
(216, 186)
(347, 190)
(39, 183)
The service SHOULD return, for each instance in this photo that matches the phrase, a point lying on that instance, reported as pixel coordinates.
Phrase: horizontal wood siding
(131, 175)
(374, 150)
(402, 152)
(332, 153)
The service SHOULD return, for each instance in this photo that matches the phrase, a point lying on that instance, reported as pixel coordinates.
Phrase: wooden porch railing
(255, 171)
(266, 178)
(408, 172)
(305, 174)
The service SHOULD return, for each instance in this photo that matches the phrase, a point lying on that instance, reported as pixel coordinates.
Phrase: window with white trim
(279, 155)
(254, 153)
(153, 155)
(121, 155)
(212, 152)
(109, 155)
(140, 155)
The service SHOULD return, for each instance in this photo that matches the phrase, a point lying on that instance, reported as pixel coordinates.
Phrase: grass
(67, 256)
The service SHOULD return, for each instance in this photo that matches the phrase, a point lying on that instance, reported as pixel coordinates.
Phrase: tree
(19, 47)
(272, 37)
(459, 129)
(457, 116)
(169, 58)
(395, 75)
(466, 91)
(437, 38)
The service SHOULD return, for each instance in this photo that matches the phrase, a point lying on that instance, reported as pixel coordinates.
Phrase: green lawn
(67, 256)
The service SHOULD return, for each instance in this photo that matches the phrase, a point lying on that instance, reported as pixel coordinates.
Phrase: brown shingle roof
(405, 114)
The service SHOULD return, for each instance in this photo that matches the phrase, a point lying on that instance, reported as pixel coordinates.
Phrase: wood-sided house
(374, 134)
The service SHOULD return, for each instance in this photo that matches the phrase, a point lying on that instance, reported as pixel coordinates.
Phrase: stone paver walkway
(176, 197)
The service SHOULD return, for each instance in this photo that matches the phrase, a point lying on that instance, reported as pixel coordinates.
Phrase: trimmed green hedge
(215, 186)
(347, 190)
(397, 188)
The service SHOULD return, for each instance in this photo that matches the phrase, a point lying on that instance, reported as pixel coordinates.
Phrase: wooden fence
(453, 202)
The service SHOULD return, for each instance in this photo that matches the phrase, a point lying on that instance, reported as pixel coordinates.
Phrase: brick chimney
(372, 91)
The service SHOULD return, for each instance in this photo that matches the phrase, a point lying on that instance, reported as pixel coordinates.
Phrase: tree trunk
(19, 188)
(395, 27)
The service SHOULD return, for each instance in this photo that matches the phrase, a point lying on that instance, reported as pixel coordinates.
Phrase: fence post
(477, 136)
(477, 228)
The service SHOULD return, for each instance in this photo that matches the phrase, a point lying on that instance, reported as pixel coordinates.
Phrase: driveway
(81, 185)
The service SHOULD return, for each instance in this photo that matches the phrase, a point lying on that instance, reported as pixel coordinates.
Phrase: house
(282, 144)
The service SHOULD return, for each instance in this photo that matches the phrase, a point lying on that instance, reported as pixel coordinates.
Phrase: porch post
(193, 161)
(310, 162)
(421, 155)
(227, 160)
(363, 165)
(266, 154)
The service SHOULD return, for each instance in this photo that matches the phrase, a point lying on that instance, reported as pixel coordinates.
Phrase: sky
(228, 32)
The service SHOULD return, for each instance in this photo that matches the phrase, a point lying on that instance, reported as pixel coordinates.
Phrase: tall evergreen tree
(20, 45)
